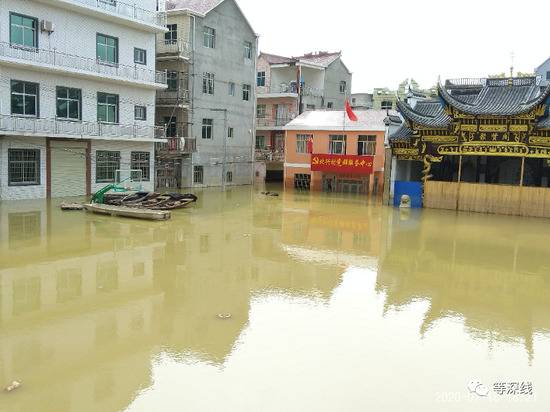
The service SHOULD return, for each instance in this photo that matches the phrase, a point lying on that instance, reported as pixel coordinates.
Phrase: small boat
(151, 200)
(133, 212)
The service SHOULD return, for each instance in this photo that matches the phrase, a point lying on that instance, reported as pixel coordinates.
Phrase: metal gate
(168, 174)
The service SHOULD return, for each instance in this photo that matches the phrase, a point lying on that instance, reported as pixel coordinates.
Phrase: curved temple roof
(426, 113)
(497, 97)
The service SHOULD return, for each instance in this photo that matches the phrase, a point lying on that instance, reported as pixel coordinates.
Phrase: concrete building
(210, 53)
(325, 151)
(286, 87)
(361, 101)
(544, 71)
(77, 100)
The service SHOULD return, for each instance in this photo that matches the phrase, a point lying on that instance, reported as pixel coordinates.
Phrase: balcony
(171, 98)
(109, 9)
(168, 49)
(289, 89)
(32, 126)
(269, 155)
(277, 123)
(175, 146)
(52, 60)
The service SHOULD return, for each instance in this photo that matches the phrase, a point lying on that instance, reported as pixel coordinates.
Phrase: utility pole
(224, 164)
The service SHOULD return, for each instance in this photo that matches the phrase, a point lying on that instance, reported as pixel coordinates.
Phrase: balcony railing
(177, 145)
(172, 97)
(274, 122)
(81, 64)
(291, 87)
(174, 47)
(129, 10)
(268, 155)
(62, 128)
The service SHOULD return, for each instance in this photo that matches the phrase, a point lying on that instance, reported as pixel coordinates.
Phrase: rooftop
(200, 7)
(337, 120)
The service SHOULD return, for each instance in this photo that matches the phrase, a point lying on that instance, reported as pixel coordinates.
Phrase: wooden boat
(151, 200)
(132, 212)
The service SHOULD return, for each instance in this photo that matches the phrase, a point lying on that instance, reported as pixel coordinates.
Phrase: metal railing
(55, 127)
(172, 97)
(83, 64)
(126, 10)
(178, 47)
(177, 145)
(268, 155)
(274, 122)
(291, 87)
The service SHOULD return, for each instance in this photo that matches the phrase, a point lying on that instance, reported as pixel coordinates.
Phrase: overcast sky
(384, 42)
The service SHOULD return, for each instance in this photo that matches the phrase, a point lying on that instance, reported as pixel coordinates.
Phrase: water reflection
(95, 312)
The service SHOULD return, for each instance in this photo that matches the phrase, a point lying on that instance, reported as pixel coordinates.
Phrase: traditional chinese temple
(483, 145)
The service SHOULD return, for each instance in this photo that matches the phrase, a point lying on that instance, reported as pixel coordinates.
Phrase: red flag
(310, 145)
(352, 116)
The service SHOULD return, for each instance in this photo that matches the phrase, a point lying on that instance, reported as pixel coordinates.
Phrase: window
(366, 145)
(231, 89)
(207, 128)
(69, 103)
(24, 98)
(140, 56)
(171, 126)
(301, 142)
(23, 31)
(261, 79)
(142, 161)
(209, 37)
(107, 108)
(106, 165)
(229, 177)
(260, 142)
(329, 105)
(172, 81)
(23, 167)
(310, 107)
(386, 105)
(107, 49)
(248, 50)
(171, 36)
(198, 175)
(230, 132)
(302, 181)
(260, 111)
(246, 92)
(343, 87)
(140, 113)
(548, 75)
(208, 83)
(337, 144)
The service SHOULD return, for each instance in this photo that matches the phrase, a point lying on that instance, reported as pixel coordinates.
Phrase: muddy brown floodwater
(292, 303)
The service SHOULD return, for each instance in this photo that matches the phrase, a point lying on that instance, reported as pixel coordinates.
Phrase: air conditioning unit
(46, 26)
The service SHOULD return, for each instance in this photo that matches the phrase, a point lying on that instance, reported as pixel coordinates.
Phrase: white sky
(385, 42)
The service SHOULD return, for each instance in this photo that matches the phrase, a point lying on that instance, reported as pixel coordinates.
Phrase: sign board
(347, 164)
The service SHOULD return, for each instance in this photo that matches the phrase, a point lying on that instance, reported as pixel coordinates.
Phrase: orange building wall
(321, 146)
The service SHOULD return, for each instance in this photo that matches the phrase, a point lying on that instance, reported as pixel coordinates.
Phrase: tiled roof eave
(439, 122)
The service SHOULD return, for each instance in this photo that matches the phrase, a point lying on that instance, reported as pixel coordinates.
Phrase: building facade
(287, 87)
(544, 71)
(362, 101)
(483, 146)
(210, 53)
(327, 152)
(77, 100)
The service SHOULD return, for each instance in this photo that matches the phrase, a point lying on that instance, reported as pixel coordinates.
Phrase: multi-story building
(362, 101)
(286, 87)
(77, 100)
(209, 52)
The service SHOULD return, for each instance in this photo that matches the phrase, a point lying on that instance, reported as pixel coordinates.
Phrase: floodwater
(328, 303)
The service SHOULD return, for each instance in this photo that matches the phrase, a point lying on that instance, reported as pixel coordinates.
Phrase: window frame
(208, 83)
(37, 164)
(343, 89)
(260, 138)
(115, 162)
(260, 79)
(301, 142)
(209, 37)
(172, 76)
(35, 35)
(229, 176)
(261, 111)
(207, 129)
(366, 146)
(143, 109)
(247, 91)
(117, 107)
(68, 99)
(385, 106)
(117, 49)
(141, 161)
(169, 37)
(144, 52)
(230, 132)
(24, 94)
(232, 89)
(198, 170)
(248, 50)
(332, 144)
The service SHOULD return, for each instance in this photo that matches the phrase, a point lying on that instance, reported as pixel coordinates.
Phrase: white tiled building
(77, 95)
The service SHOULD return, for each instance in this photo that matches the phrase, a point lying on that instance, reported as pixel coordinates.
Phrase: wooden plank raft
(124, 211)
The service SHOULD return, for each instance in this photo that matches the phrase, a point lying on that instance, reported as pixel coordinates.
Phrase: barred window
(106, 164)
(229, 177)
(23, 167)
(366, 146)
(142, 161)
(198, 174)
(301, 142)
(208, 83)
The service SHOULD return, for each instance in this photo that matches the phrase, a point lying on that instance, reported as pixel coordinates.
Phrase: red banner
(349, 164)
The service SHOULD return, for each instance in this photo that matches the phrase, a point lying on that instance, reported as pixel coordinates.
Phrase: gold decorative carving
(519, 127)
(440, 139)
(405, 152)
(468, 127)
(493, 128)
